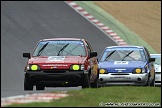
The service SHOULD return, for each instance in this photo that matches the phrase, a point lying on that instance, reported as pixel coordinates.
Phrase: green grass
(128, 36)
(91, 97)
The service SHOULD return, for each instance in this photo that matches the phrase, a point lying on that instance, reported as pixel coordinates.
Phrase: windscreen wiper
(62, 49)
(109, 55)
(42, 49)
(127, 55)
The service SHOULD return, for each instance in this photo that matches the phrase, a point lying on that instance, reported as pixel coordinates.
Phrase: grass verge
(91, 97)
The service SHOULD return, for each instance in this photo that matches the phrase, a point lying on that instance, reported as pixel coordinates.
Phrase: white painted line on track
(28, 98)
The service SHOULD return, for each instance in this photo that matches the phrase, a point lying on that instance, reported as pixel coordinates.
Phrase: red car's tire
(40, 87)
(27, 85)
(86, 83)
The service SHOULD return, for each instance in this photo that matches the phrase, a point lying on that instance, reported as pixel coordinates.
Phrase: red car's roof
(62, 39)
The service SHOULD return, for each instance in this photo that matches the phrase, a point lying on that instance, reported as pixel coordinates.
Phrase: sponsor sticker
(56, 59)
(121, 62)
(55, 65)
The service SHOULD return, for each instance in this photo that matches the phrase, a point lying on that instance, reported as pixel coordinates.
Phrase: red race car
(61, 62)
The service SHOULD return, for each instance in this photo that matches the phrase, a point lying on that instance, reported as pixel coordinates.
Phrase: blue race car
(126, 65)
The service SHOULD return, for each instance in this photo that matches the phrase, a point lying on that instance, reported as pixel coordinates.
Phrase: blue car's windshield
(124, 54)
(60, 48)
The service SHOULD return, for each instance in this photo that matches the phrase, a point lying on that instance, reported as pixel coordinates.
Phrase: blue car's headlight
(103, 71)
(138, 70)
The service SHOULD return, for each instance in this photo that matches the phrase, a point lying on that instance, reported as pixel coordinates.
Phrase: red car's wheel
(27, 85)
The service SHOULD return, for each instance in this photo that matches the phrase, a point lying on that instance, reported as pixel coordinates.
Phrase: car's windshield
(60, 48)
(157, 59)
(124, 54)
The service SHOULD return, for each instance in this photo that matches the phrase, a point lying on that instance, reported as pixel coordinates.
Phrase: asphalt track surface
(24, 23)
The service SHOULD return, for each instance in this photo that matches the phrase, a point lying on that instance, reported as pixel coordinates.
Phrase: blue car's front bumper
(123, 79)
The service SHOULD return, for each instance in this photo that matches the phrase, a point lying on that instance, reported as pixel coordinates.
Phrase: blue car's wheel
(152, 83)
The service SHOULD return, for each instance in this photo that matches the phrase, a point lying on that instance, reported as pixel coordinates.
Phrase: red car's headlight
(33, 67)
(77, 67)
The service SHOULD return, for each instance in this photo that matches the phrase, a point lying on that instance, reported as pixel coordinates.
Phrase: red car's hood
(59, 62)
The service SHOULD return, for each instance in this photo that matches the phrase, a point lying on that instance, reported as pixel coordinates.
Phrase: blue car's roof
(127, 46)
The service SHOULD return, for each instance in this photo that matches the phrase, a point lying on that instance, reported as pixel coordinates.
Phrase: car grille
(120, 74)
(54, 71)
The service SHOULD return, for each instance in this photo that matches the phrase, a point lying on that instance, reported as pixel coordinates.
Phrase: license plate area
(120, 78)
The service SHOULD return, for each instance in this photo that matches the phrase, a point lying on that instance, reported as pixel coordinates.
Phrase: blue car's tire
(153, 82)
(95, 84)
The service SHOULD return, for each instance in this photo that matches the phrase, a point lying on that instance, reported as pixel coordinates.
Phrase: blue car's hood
(125, 66)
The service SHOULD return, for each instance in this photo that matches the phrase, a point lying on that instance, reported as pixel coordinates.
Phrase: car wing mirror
(151, 59)
(26, 55)
(93, 54)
